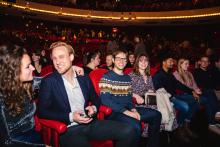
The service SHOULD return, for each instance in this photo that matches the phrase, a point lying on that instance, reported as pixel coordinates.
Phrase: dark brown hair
(13, 91)
(136, 65)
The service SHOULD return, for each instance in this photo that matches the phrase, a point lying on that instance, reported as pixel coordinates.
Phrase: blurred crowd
(38, 35)
(133, 5)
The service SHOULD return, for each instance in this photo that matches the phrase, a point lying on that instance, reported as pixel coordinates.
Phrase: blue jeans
(30, 137)
(180, 102)
(183, 108)
(193, 106)
(150, 116)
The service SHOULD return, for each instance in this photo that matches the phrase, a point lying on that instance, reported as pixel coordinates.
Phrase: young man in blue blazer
(64, 97)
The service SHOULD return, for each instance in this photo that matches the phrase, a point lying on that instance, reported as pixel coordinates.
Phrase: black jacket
(167, 81)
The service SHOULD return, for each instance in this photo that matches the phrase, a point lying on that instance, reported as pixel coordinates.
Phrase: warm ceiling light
(27, 7)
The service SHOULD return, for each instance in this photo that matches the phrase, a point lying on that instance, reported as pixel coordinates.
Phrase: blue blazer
(53, 99)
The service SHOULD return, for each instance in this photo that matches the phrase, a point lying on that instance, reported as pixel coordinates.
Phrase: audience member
(37, 62)
(185, 77)
(112, 45)
(108, 61)
(203, 75)
(140, 47)
(115, 92)
(91, 62)
(141, 80)
(186, 103)
(131, 60)
(64, 97)
(17, 109)
(45, 60)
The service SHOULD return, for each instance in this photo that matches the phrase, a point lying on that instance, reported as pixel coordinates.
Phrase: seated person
(186, 103)
(37, 62)
(203, 75)
(141, 80)
(185, 77)
(108, 61)
(17, 109)
(64, 97)
(131, 60)
(45, 60)
(91, 61)
(141, 83)
(115, 92)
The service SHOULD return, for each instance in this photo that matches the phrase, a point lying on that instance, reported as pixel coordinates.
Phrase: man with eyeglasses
(115, 92)
(64, 96)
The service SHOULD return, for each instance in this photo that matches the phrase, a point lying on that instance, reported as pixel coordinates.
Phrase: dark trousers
(211, 99)
(150, 116)
(80, 135)
(206, 99)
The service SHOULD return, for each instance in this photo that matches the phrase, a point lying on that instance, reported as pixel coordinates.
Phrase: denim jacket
(11, 127)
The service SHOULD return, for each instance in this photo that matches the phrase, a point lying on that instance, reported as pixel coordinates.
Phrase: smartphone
(83, 115)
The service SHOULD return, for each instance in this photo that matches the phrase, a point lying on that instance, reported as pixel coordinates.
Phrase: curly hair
(13, 91)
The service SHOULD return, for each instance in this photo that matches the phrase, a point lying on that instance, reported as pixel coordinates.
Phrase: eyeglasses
(120, 59)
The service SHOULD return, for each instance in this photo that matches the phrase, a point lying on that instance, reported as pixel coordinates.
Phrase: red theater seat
(128, 70)
(46, 70)
(95, 77)
(52, 129)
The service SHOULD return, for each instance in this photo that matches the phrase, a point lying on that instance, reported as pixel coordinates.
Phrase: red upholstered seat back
(128, 70)
(102, 66)
(96, 76)
(46, 70)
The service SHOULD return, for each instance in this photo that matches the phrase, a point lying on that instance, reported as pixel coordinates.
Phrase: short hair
(203, 56)
(118, 51)
(109, 54)
(90, 55)
(130, 53)
(59, 44)
(165, 54)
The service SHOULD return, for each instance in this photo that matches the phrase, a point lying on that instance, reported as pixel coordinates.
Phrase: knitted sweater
(115, 91)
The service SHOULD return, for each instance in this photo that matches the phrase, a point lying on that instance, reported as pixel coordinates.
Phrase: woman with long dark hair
(17, 108)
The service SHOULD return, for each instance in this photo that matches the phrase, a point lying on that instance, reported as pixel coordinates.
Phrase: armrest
(105, 109)
(37, 124)
(53, 124)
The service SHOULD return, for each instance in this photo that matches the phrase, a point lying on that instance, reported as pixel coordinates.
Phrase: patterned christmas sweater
(115, 91)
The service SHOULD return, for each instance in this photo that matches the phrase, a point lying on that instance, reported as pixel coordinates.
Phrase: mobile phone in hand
(83, 115)
(87, 114)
